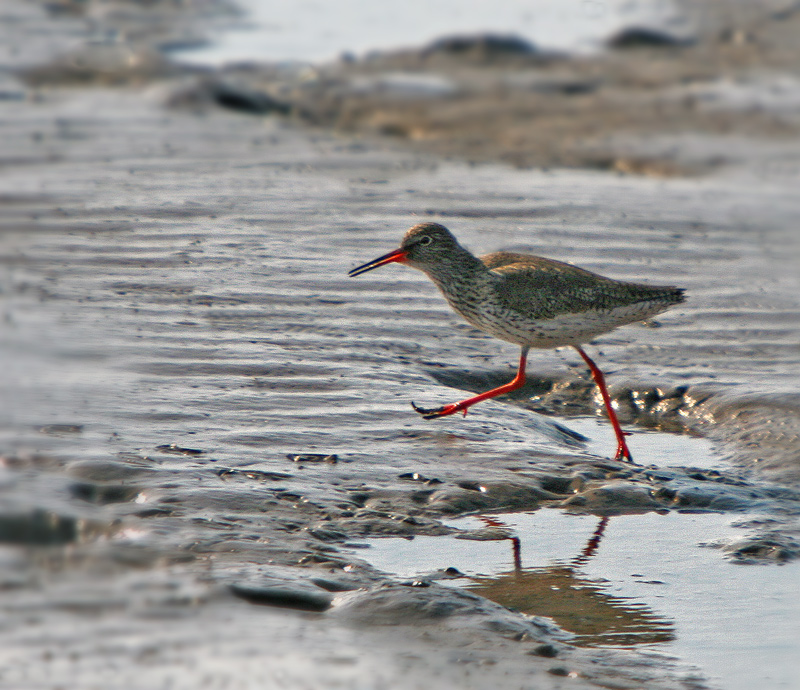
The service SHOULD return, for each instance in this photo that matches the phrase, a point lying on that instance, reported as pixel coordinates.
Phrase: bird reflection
(575, 602)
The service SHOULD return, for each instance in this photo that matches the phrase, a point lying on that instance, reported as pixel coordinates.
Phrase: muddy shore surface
(202, 414)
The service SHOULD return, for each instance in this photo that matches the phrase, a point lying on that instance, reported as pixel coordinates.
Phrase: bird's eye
(425, 240)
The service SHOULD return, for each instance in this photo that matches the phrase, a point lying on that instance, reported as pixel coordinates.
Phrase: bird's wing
(542, 288)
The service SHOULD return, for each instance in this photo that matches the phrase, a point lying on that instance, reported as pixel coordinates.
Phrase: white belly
(565, 329)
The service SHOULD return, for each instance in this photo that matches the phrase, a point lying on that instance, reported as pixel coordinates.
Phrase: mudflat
(203, 417)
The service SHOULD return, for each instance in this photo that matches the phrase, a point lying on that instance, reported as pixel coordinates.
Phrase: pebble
(287, 596)
(331, 459)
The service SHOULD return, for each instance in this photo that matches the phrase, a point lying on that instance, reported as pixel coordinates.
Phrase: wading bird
(526, 300)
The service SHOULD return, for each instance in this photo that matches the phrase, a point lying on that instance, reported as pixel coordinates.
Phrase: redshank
(529, 301)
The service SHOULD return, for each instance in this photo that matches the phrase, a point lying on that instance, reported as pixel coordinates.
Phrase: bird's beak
(396, 256)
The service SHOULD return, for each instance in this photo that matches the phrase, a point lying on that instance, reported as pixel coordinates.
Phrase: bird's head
(424, 245)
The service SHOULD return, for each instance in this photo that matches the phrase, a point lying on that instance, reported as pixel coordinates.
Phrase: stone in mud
(392, 604)
(257, 475)
(330, 584)
(646, 37)
(712, 497)
(559, 484)
(417, 477)
(246, 100)
(398, 604)
(284, 595)
(175, 449)
(103, 494)
(510, 628)
(330, 459)
(483, 46)
(545, 650)
(470, 496)
(486, 534)
(228, 94)
(455, 500)
(616, 497)
(558, 671)
(324, 533)
(692, 488)
(154, 512)
(771, 547)
(366, 522)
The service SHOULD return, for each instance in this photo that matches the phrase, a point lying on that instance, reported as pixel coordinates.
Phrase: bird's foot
(436, 412)
(622, 449)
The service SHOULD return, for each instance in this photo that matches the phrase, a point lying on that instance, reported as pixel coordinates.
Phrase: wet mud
(202, 414)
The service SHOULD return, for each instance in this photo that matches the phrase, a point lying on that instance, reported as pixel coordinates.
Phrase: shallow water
(658, 448)
(313, 32)
(651, 581)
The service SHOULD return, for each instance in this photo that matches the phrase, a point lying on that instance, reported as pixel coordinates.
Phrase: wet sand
(201, 412)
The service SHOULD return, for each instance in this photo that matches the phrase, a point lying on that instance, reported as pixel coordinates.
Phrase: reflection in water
(578, 604)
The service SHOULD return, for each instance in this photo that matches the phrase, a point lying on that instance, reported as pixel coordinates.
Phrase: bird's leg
(592, 544)
(599, 379)
(462, 406)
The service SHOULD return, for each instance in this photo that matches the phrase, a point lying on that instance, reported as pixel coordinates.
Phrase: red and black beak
(396, 256)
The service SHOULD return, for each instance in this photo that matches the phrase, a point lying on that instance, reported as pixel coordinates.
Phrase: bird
(527, 300)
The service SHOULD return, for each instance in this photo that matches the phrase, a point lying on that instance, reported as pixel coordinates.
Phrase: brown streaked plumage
(526, 300)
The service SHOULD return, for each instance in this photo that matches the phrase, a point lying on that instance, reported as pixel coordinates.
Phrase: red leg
(464, 405)
(599, 379)
(516, 544)
(592, 544)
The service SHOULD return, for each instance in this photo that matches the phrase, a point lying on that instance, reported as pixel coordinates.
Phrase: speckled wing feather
(539, 288)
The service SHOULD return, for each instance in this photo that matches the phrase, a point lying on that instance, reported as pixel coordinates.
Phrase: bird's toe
(428, 412)
(435, 412)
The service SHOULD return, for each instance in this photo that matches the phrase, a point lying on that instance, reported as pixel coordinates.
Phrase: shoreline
(661, 110)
